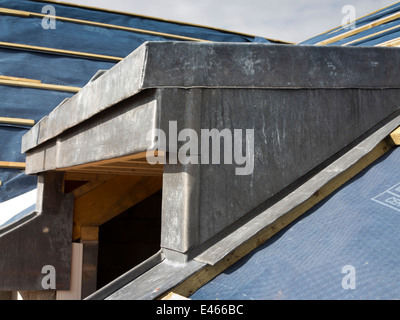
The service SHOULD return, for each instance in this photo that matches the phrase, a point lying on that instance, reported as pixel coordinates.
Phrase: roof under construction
(312, 192)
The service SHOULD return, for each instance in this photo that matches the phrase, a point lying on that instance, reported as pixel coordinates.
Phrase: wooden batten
(20, 79)
(36, 85)
(87, 55)
(136, 165)
(13, 12)
(17, 121)
(12, 165)
(395, 137)
(111, 198)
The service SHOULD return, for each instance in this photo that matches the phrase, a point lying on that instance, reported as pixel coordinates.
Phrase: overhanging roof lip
(172, 64)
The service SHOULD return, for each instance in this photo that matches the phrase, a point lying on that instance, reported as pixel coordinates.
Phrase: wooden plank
(360, 29)
(133, 168)
(6, 295)
(134, 157)
(89, 233)
(131, 165)
(12, 165)
(42, 86)
(20, 79)
(13, 12)
(83, 176)
(110, 169)
(395, 137)
(205, 275)
(125, 173)
(60, 51)
(111, 199)
(17, 121)
(138, 161)
(87, 187)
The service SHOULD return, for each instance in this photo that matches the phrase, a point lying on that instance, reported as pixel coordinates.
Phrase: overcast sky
(289, 20)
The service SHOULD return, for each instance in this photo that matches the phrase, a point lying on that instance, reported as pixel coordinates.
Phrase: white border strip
(11, 208)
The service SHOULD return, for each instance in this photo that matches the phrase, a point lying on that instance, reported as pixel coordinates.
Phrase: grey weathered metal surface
(268, 214)
(295, 132)
(157, 281)
(307, 106)
(44, 240)
(127, 278)
(112, 134)
(221, 65)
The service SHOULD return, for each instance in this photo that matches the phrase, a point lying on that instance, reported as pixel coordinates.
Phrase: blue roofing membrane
(366, 30)
(67, 70)
(357, 226)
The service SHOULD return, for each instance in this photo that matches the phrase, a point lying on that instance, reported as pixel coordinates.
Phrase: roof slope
(356, 226)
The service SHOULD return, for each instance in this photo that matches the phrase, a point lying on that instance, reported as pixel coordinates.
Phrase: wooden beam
(139, 156)
(89, 233)
(131, 165)
(110, 168)
(20, 46)
(12, 165)
(20, 79)
(139, 173)
(111, 199)
(13, 12)
(35, 85)
(16, 121)
(135, 164)
(84, 176)
(89, 186)
(395, 137)
(205, 275)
